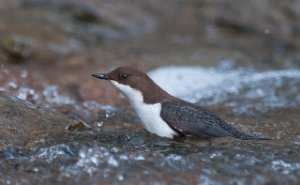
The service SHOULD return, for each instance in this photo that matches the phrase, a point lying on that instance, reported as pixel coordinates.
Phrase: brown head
(125, 78)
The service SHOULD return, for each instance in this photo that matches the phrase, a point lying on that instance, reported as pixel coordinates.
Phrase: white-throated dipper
(166, 115)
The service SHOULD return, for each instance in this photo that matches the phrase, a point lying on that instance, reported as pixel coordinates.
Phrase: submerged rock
(24, 126)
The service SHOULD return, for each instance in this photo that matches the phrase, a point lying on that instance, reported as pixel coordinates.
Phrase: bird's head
(134, 83)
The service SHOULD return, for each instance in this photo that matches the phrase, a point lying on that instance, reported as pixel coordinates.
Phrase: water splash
(55, 152)
(242, 88)
(24, 92)
(92, 105)
(285, 167)
(24, 74)
(52, 96)
(89, 159)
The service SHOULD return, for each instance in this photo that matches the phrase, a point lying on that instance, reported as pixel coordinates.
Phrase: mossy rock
(15, 48)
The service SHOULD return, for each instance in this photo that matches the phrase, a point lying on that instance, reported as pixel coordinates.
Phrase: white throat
(148, 113)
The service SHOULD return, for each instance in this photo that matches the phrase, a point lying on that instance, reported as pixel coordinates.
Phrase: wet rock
(25, 126)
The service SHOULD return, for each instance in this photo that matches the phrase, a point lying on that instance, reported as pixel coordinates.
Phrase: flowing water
(240, 59)
(254, 101)
(243, 89)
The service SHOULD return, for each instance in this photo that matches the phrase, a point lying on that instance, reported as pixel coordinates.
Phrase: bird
(165, 115)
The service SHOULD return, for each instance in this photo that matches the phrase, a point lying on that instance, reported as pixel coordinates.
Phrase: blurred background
(240, 58)
(57, 44)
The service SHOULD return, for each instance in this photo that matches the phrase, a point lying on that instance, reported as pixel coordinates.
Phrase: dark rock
(24, 126)
(86, 14)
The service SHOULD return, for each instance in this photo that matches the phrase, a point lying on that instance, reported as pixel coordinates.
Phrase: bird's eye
(123, 76)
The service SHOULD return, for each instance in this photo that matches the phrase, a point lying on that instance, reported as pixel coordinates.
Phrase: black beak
(103, 76)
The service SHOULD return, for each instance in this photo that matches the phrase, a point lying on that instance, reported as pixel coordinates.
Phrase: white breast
(148, 113)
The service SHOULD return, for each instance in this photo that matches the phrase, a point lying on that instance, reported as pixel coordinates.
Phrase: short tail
(233, 132)
(242, 136)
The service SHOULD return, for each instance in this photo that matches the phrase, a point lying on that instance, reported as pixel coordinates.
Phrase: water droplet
(24, 92)
(123, 157)
(52, 96)
(120, 177)
(95, 160)
(100, 124)
(115, 149)
(24, 74)
(139, 157)
(112, 161)
(12, 85)
(215, 155)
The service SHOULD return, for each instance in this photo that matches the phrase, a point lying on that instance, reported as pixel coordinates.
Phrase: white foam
(285, 167)
(196, 83)
(52, 95)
